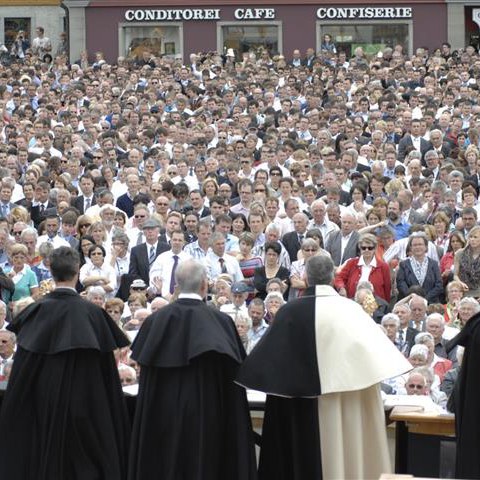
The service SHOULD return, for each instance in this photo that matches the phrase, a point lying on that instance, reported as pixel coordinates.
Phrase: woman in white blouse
(97, 272)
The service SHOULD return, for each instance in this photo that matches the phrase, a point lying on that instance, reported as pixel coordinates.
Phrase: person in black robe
(323, 414)
(465, 400)
(63, 416)
(191, 421)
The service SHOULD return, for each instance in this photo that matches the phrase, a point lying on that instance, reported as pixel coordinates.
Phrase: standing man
(41, 44)
(318, 367)
(64, 401)
(191, 420)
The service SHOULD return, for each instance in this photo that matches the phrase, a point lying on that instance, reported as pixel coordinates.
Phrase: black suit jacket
(432, 285)
(139, 265)
(38, 217)
(79, 201)
(292, 244)
(406, 142)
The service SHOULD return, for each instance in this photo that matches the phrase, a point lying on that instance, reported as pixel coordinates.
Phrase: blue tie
(151, 256)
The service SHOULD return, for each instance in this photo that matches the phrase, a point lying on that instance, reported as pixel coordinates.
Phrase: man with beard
(394, 214)
(64, 410)
(324, 415)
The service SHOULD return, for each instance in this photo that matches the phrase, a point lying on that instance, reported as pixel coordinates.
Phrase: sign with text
(363, 13)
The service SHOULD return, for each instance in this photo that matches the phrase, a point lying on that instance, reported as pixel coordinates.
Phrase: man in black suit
(438, 144)
(41, 205)
(142, 256)
(413, 139)
(87, 199)
(293, 240)
(406, 334)
(197, 201)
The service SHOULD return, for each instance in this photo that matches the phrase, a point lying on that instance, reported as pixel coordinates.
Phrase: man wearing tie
(87, 199)
(217, 262)
(142, 256)
(5, 200)
(162, 271)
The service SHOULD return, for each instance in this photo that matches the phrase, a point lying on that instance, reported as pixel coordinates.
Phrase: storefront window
(254, 37)
(371, 37)
(158, 39)
(12, 27)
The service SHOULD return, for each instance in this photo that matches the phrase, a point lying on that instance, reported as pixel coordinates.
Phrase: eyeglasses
(309, 249)
(275, 174)
(244, 162)
(415, 386)
(162, 204)
(245, 193)
(84, 225)
(17, 233)
(260, 190)
(365, 247)
(140, 216)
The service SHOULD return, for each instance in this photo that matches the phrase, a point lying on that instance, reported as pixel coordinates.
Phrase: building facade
(125, 28)
(24, 15)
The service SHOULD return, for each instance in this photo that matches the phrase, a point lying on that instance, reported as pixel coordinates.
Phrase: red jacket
(350, 274)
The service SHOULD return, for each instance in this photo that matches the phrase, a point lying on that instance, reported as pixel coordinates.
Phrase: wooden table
(435, 428)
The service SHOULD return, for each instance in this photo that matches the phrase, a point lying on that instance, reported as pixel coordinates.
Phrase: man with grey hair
(188, 405)
(342, 244)
(305, 365)
(435, 325)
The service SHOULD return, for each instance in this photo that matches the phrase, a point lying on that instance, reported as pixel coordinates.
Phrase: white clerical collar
(191, 296)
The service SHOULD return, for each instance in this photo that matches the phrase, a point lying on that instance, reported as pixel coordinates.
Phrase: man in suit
(406, 334)
(87, 199)
(6, 205)
(197, 201)
(293, 240)
(413, 139)
(42, 207)
(142, 256)
(342, 245)
(438, 144)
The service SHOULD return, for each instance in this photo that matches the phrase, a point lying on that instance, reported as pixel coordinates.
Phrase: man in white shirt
(319, 220)
(183, 176)
(162, 271)
(217, 262)
(52, 225)
(238, 305)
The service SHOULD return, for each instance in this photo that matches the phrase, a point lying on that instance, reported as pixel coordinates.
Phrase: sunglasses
(260, 190)
(85, 225)
(275, 174)
(416, 387)
(364, 247)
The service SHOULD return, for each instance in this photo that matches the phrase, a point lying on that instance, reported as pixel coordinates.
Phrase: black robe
(286, 366)
(191, 421)
(466, 401)
(63, 409)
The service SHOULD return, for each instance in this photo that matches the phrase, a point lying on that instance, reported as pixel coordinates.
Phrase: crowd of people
(251, 167)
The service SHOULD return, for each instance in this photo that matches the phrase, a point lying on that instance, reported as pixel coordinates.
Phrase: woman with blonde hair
(209, 190)
(19, 214)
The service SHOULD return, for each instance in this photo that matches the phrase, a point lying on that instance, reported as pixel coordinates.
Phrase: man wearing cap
(142, 256)
(324, 414)
(238, 305)
(162, 270)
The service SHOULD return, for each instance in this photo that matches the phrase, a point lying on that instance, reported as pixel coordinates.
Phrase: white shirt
(214, 268)
(345, 240)
(56, 241)
(90, 270)
(366, 269)
(398, 250)
(162, 268)
(191, 182)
